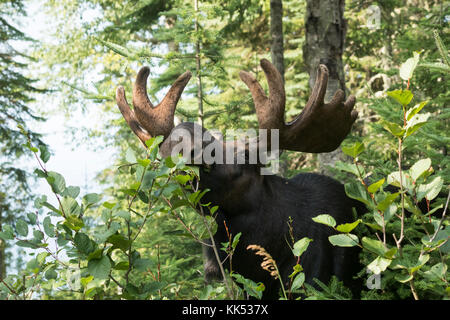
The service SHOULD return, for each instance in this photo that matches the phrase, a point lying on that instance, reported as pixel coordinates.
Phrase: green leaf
(395, 129)
(61, 239)
(49, 206)
(32, 217)
(51, 274)
(390, 212)
(71, 191)
(183, 179)
(177, 203)
(48, 227)
(153, 142)
(298, 281)
(348, 227)
(252, 288)
(41, 259)
(407, 68)
(22, 227)
(83, 243)
(148, 179)
(374, 246)
(73, 223)
(387, 201)
(90, 199)
(437, 272)
(297, 268)
(104, 232)
(130, 156)
(390, 253)
(96, 254)
(28, 244)
(423, 259)
(169, 162)
(348, 167)
(356, 190)
(376, 185)
(394, 179)
(45, 155)
(213, 210)
(403, 97)
(354, 150)
(129, 192)
(203, 231)
(403, 278)
(38, 236)
(325, 219)
(40, 173)
(300, 246)
(441, 240)
(379, 265)
(122, 265)
(236, 240)
(99, 268)
(7, 233)
(419, 168)
(70, 206)
(195, 197)
(344, 240)
(416, 123)
(144, 162)
(430, 190)
(56, 182)
(123, 214)
(85, 281)
(414, 110)
(109, 205)
(119, 241)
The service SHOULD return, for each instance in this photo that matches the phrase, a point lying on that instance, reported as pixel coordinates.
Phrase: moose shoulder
(260, 206)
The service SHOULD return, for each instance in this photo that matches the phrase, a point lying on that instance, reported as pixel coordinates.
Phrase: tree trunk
(325, 37)
(198, 69)
(276, 32)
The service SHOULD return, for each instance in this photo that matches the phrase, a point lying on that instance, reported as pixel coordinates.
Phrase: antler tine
(129, 115)
(157, 120)
(145, 120)
(269, 110)
(320, 127)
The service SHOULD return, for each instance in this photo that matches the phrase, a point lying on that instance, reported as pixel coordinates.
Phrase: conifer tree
(15, 95)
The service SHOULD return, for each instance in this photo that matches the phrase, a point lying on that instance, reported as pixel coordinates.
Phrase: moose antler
(320, 127)
(145, 120)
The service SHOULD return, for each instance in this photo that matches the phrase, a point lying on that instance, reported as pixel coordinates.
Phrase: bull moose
(259, 206)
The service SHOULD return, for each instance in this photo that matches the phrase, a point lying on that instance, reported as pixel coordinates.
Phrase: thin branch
(442, 219)
(9, 288)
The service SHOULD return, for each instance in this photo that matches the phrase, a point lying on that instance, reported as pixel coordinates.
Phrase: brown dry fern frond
(268, 263)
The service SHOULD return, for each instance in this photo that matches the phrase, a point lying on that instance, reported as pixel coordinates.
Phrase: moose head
(259, 206)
